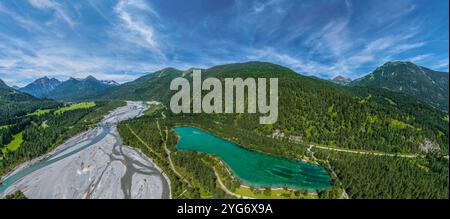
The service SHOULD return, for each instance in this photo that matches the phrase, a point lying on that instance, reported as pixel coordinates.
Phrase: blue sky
(124, 39)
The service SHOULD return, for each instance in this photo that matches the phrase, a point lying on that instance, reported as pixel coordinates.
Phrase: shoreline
(243, 182)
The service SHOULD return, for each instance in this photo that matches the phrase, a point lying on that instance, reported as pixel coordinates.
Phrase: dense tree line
(360, 176)
(320, 112)
(317, 111)
(195, 167)
(152, 146)
(14, 104)
(365, 176)
(16, 195)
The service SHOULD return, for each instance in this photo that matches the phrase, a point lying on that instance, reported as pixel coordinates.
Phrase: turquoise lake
(252, 167)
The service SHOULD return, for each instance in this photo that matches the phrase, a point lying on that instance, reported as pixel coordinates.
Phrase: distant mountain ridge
(306, 106)
(72, 89)
(41, 87)
(2, 84)
(78, 89)
(156, 85)
(150, 86)
(426, 85)
(341, 80)
(423, 83)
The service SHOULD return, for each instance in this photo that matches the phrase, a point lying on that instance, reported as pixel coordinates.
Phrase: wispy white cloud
(27, 60)
(331, 39)
(58, 8)
(348, 37)
(19, 19)
(348, 56)
(300, 65)
(97, 9)
(260, 6)
(420, 58)
(442, 65)
(142, 31)
(8, 62)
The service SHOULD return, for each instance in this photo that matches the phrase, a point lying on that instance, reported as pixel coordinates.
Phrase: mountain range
(41, 87)
(405, 77)
(72, 89)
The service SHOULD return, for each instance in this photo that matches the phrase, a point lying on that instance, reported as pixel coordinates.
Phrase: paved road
(94, 164)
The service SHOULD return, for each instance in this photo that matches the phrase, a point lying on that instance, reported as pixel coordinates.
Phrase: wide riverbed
(254, 168)
(93, 164)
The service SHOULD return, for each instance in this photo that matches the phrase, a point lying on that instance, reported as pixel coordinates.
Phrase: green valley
(249, 99)
(425, 84)
(341, 129)
(311, 112)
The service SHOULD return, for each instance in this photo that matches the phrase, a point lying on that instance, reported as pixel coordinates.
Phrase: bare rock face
(428, 146)
(341, 80)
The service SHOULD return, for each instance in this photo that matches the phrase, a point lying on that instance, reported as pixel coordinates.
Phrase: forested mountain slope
(15, 103)
(406, 77)
(149, 87)
(317, 111)
(79, 89)
(311, 111)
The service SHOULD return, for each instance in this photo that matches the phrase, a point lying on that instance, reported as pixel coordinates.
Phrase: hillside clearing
(75, 106)
(14, 144)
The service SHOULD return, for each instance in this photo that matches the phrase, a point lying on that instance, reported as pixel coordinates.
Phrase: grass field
(75, 106)
(14, 144)
(154, 109)
(39, 112)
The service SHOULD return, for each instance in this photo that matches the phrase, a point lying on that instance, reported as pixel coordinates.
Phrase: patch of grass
(4, 126)
(445, 118)
(399, 124)
(75, 106)
(154, 110)
(39, 112)
(14, 144)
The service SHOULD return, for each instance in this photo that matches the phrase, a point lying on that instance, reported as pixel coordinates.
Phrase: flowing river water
(93, 164)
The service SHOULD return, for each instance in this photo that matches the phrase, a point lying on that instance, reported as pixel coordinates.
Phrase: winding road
(93, 164)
